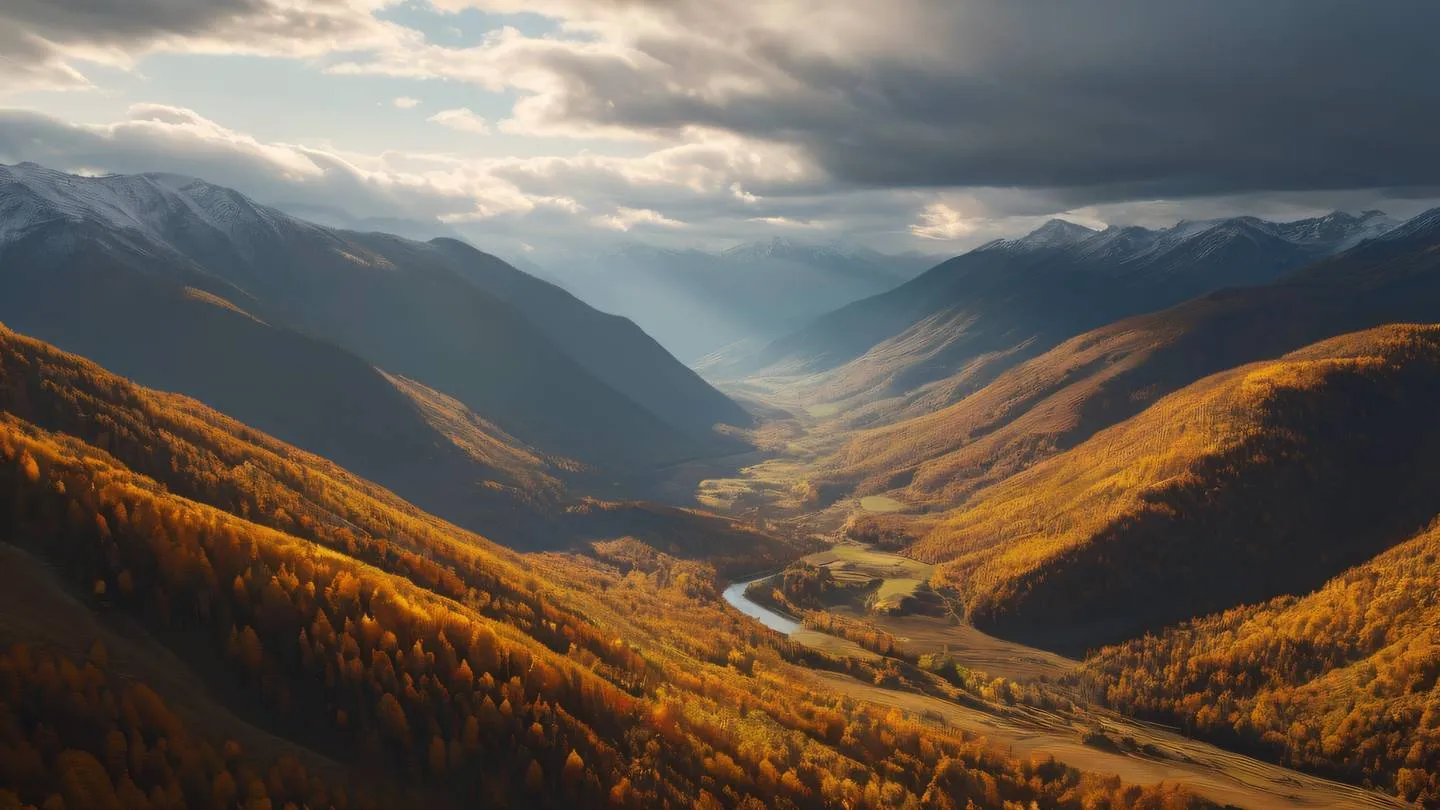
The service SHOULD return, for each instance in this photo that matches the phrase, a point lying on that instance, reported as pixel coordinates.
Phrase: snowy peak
(1117, 243)
(1336, 231)
(152, 204)
(1056, 233)
(782, 248)
(1425, 224)
(1331, 233)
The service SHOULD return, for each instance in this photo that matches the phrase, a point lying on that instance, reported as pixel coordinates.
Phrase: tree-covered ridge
(79, 735)
(446, 670)
(1263, 480)
(1342, 681)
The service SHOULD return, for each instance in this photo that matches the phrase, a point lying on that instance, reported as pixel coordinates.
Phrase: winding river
(735, 595)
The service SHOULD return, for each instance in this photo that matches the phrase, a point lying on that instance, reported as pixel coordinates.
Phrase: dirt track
(1219, 775)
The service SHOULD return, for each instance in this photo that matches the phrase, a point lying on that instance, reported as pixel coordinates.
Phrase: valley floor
(1151, 754)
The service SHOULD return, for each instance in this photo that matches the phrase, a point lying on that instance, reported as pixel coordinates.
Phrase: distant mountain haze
(611, 347)
(697, 302)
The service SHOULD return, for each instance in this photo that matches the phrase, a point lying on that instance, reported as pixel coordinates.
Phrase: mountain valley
(299, 516)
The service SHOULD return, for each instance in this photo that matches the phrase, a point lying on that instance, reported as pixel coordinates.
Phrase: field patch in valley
(881, 504)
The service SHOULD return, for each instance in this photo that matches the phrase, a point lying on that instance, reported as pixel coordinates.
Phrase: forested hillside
(1264, 480)
(1341, 680)
(436, 668)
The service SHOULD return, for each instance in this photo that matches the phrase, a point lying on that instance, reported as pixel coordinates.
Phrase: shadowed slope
(394, 303)
(611, 347)
(1008, 301)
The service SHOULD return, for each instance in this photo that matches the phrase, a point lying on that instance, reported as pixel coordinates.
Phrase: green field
(880, 503)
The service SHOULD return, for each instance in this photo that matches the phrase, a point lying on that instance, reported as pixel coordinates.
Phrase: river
(735, 595)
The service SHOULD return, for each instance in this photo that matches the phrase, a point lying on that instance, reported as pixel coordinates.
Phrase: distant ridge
(1012, 299)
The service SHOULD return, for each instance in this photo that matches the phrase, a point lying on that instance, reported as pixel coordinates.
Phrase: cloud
(406, 102)
(1078, 104)
(32, 63)
(786, 222)
(939, 221)
(625, 219)
(535, 200)
(172, 139)
(461, 119)
(48, 43)
(1097, 102)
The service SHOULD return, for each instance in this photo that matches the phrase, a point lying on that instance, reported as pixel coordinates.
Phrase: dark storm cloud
(1098, 100)
(111, 29)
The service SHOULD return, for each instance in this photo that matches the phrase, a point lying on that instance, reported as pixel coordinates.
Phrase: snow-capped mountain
(148, 273)
(1055, 233)
(155, 205)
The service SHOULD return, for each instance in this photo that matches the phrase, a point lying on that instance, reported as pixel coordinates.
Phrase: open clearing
(902, 577)
(1025, 731)
(822, 411)
(881, 504)
(854, 559)
(1219, 775)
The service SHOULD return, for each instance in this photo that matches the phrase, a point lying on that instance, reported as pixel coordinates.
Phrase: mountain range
(433, 367)
(1009, 300)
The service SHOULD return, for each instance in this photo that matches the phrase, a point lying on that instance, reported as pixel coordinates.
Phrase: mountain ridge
(400, 305)
(1011, 300)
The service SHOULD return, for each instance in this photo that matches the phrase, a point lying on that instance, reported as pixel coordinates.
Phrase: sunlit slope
(1027, 414)
(438, 669)
(1342, 680)
(1263, 480)
(197, 448)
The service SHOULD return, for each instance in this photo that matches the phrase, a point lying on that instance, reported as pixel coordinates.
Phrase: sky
(930, 125)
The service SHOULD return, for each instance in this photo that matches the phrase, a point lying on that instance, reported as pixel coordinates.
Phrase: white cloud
(787, 222)
(47, 44)
(939, 221)
(625, 219)
(461, 119)
(406, 102)
(163, 138)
